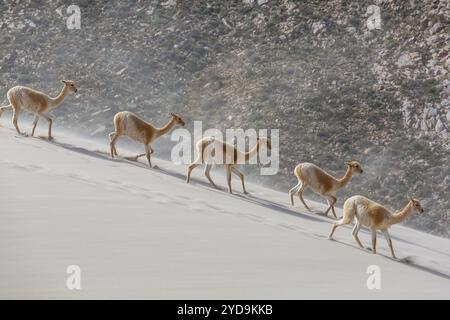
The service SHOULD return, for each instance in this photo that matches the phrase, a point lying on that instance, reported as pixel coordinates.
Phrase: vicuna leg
(140, 155)
(345, 220)
(389, 241)
(191, 167)
(300, 195)
(333, 201)
(35, 121)
(15, 119)
(374, 240)
(229, 178)
(148, 153)
(294, 191)
(207, 171)
(113, 136)
(50, 122)
(330, 203)
(2, 109)
(332, 210)
(241, 176)
(355, 233)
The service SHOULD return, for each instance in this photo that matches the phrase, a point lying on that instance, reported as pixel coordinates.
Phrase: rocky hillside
(336, 83)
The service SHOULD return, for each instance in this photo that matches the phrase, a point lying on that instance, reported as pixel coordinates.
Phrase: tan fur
(375, 216)
(378, 214)
(36, 102)
(325, 181)
(128, 124)
(206, 150)
(311, 176)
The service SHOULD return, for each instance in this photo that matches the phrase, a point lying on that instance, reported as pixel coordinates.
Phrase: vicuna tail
(4, 109)
(349, 211)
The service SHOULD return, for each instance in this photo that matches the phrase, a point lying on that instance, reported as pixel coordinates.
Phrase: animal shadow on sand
(408, 261)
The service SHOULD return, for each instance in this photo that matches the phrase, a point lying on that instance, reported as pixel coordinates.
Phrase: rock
(447, 180)
(407, 59)
(351, 30)
(121, 71)
(432, 112)
(447, 63)
(317, 27)
(436, 28)
(289, 5)
(439, 126)
(404, 60)
(169, 3)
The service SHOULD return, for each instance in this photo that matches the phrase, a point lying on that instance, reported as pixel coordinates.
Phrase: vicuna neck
(346, 178)
(401, 215)
(166, 128)
(251, 153)
(60, 98)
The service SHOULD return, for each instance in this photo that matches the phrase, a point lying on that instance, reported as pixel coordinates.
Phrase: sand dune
(137, 232)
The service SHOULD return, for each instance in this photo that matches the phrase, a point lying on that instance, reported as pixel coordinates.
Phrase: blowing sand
(137, 232)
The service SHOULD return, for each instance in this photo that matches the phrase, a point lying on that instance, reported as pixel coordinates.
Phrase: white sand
(142, 233)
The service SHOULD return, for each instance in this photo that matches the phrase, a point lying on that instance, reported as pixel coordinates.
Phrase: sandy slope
(141, 233)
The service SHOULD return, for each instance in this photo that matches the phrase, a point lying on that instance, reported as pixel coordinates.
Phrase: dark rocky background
(313, 69)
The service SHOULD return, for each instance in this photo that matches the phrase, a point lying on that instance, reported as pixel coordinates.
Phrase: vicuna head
(263, 141)
(416, 204)
(177, 119)
(354, 166)
(70, 84)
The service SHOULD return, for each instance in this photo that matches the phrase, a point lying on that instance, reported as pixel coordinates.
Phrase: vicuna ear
(64, 81)
(347, 163)
(172, 114)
